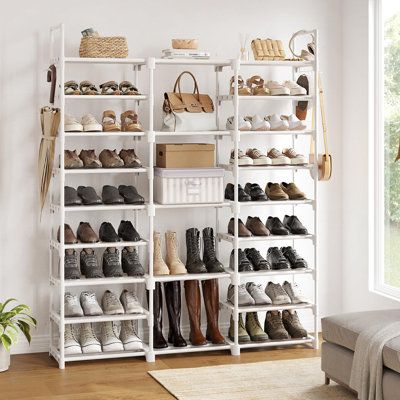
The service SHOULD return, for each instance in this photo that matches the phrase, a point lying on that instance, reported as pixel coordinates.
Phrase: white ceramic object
(4, 359)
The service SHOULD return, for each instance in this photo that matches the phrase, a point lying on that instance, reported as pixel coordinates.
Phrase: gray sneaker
(72, 307)
(295, 294)
(111, 263)
(274, 326)
(89, 304)
(71, 268)
(254, 329)
(258, 294)
(130, 262)
(244, 297)
(89, 264)
(111, 304)
(277, 294)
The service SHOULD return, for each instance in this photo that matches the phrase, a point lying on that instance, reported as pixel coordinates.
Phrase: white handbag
(188, 111)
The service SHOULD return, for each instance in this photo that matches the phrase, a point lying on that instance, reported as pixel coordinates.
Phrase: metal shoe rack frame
(59, 285)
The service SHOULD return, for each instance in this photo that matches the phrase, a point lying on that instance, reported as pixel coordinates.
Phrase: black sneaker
(255, 192)
(89, 265)
(107, 233)
(71, 268)
(111, 263)
(244, 262)
(259, 263)
(294, 225)
(130, 262)
(276, 227)
(230, 193)
(127, 232)
(276, 259)
(295, 260)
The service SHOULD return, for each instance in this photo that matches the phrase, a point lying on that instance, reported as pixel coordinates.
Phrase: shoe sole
(73, 128)
(279, 92)
(91, 348)
(92, 128)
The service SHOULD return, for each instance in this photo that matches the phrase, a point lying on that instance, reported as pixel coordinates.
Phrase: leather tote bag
(185, 112)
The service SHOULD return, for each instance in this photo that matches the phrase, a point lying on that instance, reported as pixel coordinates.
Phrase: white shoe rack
(60, 213)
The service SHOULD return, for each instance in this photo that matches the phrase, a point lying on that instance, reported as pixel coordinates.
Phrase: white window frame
(376, 155)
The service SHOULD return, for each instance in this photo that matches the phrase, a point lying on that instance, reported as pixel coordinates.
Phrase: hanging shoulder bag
(188, 111)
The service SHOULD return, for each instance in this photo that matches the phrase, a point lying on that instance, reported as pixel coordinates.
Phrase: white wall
(149, 26)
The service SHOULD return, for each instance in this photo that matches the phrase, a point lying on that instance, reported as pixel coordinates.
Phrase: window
(387, 142)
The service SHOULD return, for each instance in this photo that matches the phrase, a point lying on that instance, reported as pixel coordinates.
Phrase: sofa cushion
(344, 330)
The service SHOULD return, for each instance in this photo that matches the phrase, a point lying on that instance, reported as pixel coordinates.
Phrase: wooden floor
(37, 377)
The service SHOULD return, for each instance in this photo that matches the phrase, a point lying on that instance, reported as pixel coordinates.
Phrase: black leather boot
(158, 338)
(172, 292)
(209, 257)
(194, 265)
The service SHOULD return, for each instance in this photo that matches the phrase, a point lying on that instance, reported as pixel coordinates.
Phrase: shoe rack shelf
(265, 308)
(59, 212)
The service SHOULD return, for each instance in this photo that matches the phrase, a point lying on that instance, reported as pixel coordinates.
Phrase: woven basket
(104, 47)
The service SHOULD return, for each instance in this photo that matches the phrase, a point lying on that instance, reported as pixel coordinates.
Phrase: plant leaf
(3, 305)
(6, 341)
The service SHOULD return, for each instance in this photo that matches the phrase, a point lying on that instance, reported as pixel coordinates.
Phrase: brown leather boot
(193, 302)
(211, 302)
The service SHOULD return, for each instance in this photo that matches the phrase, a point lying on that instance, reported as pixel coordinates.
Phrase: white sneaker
(90, 124)
(243, 159)
(277, 158)
(129, 337)
(71, 124)
(244, 296)
(276, 293)
(295, 124)
(89, 304)
(111, 304)
(295, 158)
(295, 89)
(72, 307)
(277, 123)
(258, 294)
(244, 125)
(295, 294)
(108, 338)
(277, 89)
(258, 123)
(258, 158)
(71, 344)
(130, 302)
(88, 340)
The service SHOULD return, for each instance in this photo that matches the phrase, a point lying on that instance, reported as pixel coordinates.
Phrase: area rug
(300, 379)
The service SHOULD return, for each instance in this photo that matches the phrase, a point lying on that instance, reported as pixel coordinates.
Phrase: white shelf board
(102, 134)
(269, 203)
(192, 133)
(191, 277)
(304, 132)
(82, 97)
(192, 349)
(104, 355)
(229, 97)
(193, 61)
(84, 171)
(231, 238)
(272, 272)
(87, 60)
(98, 245)
(99, 318)
(100, 207)
(283, 63)
(274, 343)
(265, 308)
(124, 280)
(191, 205)
(250, 168)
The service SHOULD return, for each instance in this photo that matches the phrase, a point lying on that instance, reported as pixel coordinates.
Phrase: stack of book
(185, 53)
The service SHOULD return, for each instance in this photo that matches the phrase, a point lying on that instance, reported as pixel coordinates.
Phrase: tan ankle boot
(175, 265)
(159, 266)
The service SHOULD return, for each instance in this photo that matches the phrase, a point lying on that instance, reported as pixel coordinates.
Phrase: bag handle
(178, 84)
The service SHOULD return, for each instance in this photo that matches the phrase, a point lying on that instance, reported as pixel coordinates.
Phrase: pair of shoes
(129, 122)
(107, 88)
(249, 260)
(285, 258)
(86, 195)
(250, 294)
(284, 326)
(291, 225)
(82, 339)
(88, 123)
(284, 191)
(284, 294)
(251, 192)
(254, 156)
(252, 331)
(272, 122)
(107, 159)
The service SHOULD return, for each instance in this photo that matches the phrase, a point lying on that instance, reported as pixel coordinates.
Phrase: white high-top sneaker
(72, 307)
(89, 304)
(90, 124)
(111, 304)
(175, 265)
(109, 340)
(130, 302)
(88, 340)
(71, 344)
(159, 265)
(129, 337)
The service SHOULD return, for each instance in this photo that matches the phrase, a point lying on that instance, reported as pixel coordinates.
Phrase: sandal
(130, 123)
(127, 88)
(110, 88)
(71, 88)
(109, 121)
(256, 85)
(88, 88)
(242, 89)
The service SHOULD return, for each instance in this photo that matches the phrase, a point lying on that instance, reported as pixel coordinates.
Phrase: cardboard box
(185, 155)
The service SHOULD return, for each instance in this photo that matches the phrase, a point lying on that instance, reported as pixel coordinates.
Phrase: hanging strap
(52, 77)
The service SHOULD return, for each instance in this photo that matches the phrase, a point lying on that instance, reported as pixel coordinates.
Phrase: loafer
(275, 192)
(243, 231)
(130, 194)
(110, 195)
(110, 159)
(86, 234)
(107, 233)
(131, 160)
(293, 191)
(71, 197)
(293, 224)
(256, 227)
(88, 195)
(230, 193)
(276, 227)
(90, 159)
(69, 237)
(71, 160)
(127, 232)
(255, 192)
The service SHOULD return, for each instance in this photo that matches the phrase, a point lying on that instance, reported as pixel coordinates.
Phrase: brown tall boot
(193, 301)
(211, 302)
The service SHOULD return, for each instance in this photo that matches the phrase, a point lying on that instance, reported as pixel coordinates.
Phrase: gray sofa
(340, 333)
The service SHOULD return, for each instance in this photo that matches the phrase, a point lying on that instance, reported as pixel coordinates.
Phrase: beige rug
(300, 379)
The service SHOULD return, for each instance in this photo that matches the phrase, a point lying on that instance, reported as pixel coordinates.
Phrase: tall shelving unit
(151, 137)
